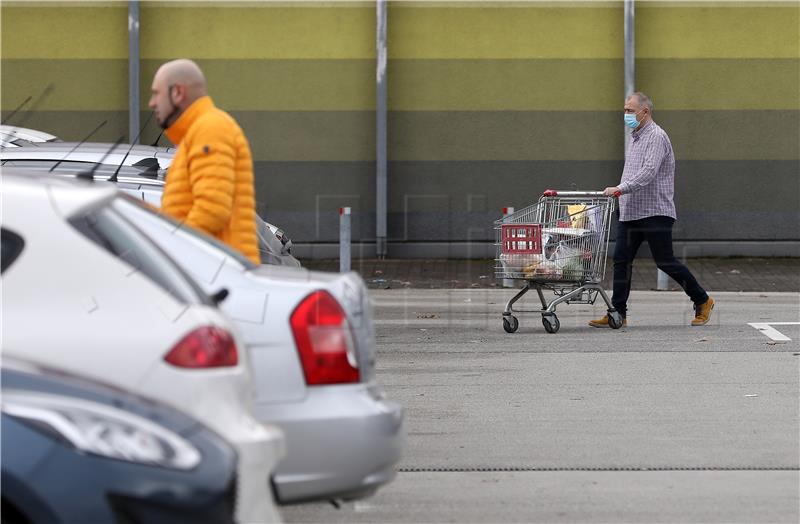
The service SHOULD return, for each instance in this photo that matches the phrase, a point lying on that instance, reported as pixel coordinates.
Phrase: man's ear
(178, 94)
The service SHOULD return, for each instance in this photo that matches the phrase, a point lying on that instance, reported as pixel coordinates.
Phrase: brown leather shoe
(702, 312)
(603, 322)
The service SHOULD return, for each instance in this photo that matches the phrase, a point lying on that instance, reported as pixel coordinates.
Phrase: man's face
(160, 101)
(633, 107)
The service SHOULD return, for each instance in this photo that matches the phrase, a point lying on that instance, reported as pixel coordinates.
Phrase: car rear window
(126, 200)
(112, 232)
(12, 246)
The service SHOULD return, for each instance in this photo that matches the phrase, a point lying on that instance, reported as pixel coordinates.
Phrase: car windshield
(136, 206)
(112, 232)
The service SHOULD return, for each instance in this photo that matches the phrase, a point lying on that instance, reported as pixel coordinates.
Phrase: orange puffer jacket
(210, 181)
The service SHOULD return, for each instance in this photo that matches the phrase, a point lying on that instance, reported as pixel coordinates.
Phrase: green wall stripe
(505, 85)
(721, 84)
(259, 31)
(486, 31)
(706, 30)
(73, 126)
(477, 136)
(487, 85)
(699, 30)
(559, 135)
(310, 135)
(54, 31)
(516, 135)
(88, 85)
(303, 85)
(478, 30)
(424, 85)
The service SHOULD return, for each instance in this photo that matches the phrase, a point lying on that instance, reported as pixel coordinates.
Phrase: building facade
(489, 104)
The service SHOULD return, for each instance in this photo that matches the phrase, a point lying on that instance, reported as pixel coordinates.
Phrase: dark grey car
(79, 451)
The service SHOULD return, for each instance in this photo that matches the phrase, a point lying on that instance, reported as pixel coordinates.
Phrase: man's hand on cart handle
(612, 191)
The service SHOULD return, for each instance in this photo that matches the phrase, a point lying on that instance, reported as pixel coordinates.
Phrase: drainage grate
(490, 469)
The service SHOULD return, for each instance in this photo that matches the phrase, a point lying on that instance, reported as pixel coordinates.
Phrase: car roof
(125, 174)
(90, 152)
(70, 196)
(30, 135)
(102, 147)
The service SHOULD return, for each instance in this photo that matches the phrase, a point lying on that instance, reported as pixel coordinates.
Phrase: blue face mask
(630, 120)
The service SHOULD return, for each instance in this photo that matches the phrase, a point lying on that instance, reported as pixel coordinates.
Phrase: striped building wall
(489, 103)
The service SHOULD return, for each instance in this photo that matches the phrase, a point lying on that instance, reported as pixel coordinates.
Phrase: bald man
(210, 181)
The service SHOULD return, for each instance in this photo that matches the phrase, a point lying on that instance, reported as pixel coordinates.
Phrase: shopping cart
(558, 244)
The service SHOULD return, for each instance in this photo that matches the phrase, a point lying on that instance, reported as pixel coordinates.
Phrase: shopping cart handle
(554, 192)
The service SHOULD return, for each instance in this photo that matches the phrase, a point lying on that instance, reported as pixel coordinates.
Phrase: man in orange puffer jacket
(210, 181)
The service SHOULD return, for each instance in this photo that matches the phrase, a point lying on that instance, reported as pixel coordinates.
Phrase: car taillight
(323, 339)
(205, 347)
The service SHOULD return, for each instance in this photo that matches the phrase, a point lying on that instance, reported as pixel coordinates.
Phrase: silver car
(144, 179)
(312, 343)
(311, 340)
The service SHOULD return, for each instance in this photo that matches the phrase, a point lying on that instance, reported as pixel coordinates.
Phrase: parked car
(132, 459)
(85, 291)
(88, 154)
(312, 343)
(144, 170)
(12, 136)
(314, 413)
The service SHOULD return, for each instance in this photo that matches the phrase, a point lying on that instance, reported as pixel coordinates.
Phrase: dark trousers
(658, 233)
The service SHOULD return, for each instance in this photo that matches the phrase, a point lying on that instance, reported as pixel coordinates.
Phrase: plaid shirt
(648, 179)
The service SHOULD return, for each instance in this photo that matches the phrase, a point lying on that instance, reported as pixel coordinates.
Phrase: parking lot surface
(657, 422)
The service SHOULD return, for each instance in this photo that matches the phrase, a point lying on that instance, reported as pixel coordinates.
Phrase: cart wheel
(551, 323)
(614, 320)
(510, 324)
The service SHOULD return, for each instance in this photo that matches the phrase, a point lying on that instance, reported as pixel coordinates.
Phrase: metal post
(344, 239)
(508, 282)
(630, 86)
(630, 57)
(380, 139)
(133, 70)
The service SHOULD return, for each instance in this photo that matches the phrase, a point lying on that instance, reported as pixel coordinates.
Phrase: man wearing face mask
(210, 181)
(647, 211)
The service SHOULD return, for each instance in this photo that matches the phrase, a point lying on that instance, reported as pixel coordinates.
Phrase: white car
(85, 291)
(12, 136)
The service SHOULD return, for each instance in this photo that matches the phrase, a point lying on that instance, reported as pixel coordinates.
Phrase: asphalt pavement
(655, 422)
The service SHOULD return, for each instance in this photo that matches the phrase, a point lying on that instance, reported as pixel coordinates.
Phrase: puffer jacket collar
(178, 130)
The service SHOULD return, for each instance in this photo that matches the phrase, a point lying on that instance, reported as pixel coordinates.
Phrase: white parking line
(360, 506)
(767, 329)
